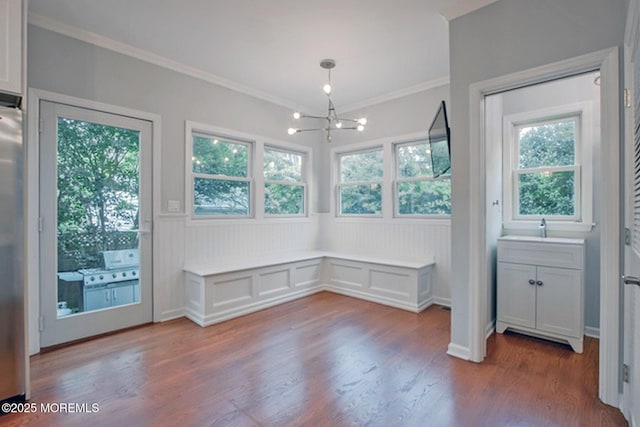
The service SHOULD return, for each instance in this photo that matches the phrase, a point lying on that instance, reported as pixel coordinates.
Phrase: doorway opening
(480, 319)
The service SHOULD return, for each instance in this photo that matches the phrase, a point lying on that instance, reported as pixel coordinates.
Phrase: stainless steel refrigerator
(12, 288)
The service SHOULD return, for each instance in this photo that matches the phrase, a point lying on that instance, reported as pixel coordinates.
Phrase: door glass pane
(97, 216)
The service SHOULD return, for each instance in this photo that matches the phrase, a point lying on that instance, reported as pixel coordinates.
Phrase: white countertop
(538, 239)
(236, 264)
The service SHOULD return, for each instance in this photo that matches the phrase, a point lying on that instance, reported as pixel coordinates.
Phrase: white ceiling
(273, 48)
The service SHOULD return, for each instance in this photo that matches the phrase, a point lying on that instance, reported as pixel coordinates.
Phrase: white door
(95, 220)
(631, 291)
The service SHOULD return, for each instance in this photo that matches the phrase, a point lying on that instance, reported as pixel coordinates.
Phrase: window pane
(282, 199)
(361, 199)
(215, 156)
(424, 197)
(414, 161)
(220, 197)
(550, 144)
(282, 166)
(360, 167)
(547, 193)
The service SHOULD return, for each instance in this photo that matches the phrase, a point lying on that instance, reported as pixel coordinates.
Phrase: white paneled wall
(412, 240)
(176, 239)
(250, 239)
(169, 248)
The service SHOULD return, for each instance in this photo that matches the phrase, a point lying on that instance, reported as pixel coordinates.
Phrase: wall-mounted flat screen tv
(439, 142)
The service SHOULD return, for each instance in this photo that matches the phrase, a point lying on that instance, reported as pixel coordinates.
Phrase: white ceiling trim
(464, 7)
(396, 94)
(179, 67)
(152, 58)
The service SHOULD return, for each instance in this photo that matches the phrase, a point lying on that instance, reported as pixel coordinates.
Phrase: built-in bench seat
(225, 289)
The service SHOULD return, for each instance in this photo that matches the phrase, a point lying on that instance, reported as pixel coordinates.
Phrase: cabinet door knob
(532, 282)
(539, 283)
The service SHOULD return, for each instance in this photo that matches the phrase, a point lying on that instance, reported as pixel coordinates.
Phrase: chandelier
(333, 121)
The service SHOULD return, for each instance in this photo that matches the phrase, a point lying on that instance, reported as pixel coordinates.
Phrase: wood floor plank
(324, 360)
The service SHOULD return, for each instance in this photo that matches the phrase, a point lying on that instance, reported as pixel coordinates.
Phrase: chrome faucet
(543, 228)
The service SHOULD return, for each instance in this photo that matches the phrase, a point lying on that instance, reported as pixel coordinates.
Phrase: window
(221, 176)
(360, 183)
(284, 187)
(546, 172)
(548, 167)
(417, 191)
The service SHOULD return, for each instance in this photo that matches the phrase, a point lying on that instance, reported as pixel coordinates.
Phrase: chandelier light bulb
(338, 125)
(362, 121)
(296, 115)
(360, 128)
(327, 88)
(291, 131)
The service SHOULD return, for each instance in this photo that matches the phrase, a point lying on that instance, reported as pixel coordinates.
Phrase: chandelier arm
(308, 116)
(312, 130)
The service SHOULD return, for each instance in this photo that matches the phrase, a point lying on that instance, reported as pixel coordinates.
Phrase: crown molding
(464, 7)
(161, 61)
(152, 58)
(421, 87)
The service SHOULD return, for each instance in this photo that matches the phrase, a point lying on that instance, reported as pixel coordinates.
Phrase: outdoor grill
(117, 284)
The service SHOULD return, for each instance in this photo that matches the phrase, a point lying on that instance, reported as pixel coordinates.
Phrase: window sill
(552, 226)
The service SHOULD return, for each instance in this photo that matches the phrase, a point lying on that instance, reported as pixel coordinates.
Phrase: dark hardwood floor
(325, 360)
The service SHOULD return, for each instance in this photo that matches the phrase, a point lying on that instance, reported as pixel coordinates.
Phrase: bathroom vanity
(540, 287)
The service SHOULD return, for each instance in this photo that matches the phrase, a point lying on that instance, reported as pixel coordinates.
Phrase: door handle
(144, 228)
(631, 280)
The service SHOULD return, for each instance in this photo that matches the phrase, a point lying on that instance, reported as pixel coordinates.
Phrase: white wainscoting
(396, 239)
(175, 241)
(169, 249)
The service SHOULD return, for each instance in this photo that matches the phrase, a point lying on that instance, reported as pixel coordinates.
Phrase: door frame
(32, 265)
(632, 33)
(607, 62)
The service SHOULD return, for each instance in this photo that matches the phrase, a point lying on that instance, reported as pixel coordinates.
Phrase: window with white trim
(221, 176)
(284, 182)
(417, 192)
(548, 165)
(360, 178)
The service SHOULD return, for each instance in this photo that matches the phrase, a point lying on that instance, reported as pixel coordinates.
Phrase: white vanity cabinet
(11, 43)
(540, 288)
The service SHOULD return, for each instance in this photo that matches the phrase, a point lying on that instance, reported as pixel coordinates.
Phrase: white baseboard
(379, 299)
(171, 314)
(592, 332)
(249, 308)
(446, 302)
(491, 326)
(459, 351)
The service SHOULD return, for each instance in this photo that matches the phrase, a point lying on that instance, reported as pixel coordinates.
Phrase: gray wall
(64, 65)
(499, 39)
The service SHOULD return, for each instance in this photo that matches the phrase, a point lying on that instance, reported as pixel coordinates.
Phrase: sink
(539, 239)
